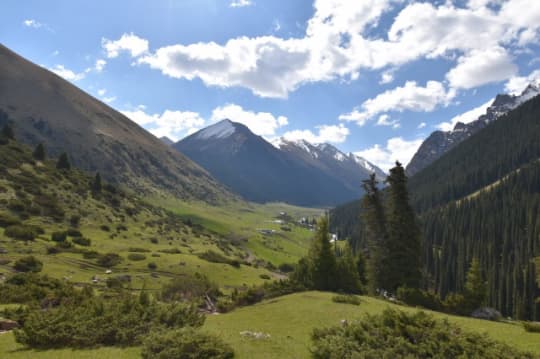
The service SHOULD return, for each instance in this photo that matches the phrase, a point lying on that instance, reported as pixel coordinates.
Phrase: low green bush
(26, 288)
(138, 250)
(152, 266)
(108, 259)
(396, 334)
(215, 257)
(22, 232)
(7, 220)
(59, 236)
(189, 288)
(136, 257)
(82, 241)
(28, 264)
(72, 232)
(346, 299)
(418, 297)
(532, 327)
(184, 343)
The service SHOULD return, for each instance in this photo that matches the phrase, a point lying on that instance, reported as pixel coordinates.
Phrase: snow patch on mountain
(222, 129)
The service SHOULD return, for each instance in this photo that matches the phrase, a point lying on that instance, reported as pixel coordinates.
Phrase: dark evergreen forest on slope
(480, 200)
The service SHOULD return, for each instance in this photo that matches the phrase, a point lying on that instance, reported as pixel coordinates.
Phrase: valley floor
(289, 321)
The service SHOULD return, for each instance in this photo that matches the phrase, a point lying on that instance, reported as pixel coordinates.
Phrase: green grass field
(288, 320)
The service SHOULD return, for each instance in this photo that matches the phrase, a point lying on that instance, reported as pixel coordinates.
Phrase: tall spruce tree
(96, 185)
(348, 277)
(404, 264)
(63, 162)
(39, 153)
(374, 217)
(7, 131)
(475, 286)
(322, 258)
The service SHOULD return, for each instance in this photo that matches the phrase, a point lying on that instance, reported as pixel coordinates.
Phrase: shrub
(189, 288)
(25, 288)
(152, 266)
(16, 205)
(109, 260)
(74, 220)
(105, 228)
(286, 267)
(72, 232)
(136, 257)
(7, 220)
(395, 334)
(170, 251)
(264, 276)
(418, 297)
(532, 327)
(455, 303)
(82, 241)
(90, 254)
(215, 257)
(346, 299)
(184, 343)
(22, 232)
(59, 236)
(28, 264)
(122, 320)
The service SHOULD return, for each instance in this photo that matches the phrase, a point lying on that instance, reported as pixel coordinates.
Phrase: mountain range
(296, 172)
(45, 108)
(440, 142)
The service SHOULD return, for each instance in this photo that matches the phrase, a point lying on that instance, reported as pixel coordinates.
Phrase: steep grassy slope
(36, 193)
(48, 109)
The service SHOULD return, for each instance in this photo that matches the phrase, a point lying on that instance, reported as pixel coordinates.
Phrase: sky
(373, 77)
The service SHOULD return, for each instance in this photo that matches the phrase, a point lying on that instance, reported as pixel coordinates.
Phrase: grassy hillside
(141, 232)
(289, 321)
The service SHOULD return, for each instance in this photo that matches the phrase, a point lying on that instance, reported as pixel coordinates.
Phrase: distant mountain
(293, 172)
(45, 108)
(440, 142)
(166, 140)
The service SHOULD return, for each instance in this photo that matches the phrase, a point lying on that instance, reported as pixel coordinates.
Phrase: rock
(7, 324)
(487, 314)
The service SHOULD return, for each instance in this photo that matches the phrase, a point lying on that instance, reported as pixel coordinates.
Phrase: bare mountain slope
(45, 108)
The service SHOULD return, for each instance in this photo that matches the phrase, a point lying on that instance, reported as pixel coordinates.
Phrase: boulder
(487, 314)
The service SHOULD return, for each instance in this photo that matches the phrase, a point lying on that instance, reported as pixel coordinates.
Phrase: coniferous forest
(479, 201)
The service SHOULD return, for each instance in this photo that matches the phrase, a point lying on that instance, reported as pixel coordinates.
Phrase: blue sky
(374, 77)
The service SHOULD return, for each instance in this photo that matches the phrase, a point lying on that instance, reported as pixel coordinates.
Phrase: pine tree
(348, 278)
(475, 286)
(63, 162)
(322, 259)
(375, 221)
(7, 132)
(96, 185)
(403, 245)
(39, 153)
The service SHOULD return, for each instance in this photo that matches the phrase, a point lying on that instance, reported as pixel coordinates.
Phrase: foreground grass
(290, 320)
(10, 349)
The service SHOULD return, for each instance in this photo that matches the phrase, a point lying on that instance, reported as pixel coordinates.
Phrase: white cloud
(240, 3)
(67, 74)
(131, 43)
(339, 43)
(109, 99)
(396, 149)
(32, 23)
(325, 133)
(102, 92)
(384, 120)
(173, 124)
(387, 77)
(517, 84)
(260, 123)
(465, 117)
(422, 125)
(409, 97)
(480, 67)
(100, 65)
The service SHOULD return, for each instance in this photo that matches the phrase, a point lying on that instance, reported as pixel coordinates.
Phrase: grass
(290, 319)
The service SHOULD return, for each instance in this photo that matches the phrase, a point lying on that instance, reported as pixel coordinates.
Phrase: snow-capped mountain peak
(221, 129)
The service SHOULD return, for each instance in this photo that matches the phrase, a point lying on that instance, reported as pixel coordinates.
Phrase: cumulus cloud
(100, 65)
(240, 3)
(260, 123)
(410, 97)
(384, 120)
(325, 133)
(396, 149)
(421, 125)
(465, 117)
(339, 44)
(170, 123)
(67, 74)
(480, 67)
(32, 23)
(131, 43)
